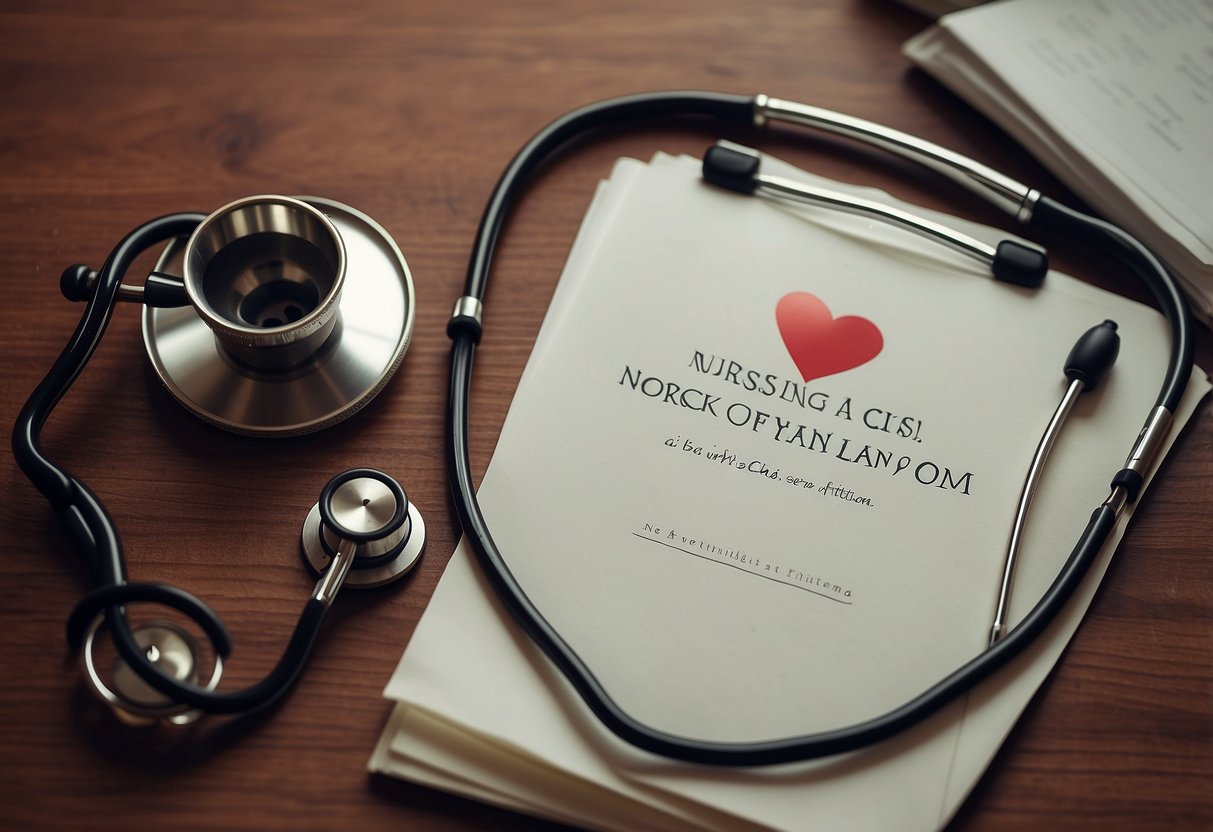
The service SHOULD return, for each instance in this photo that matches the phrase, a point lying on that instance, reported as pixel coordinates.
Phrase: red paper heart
(820, 344)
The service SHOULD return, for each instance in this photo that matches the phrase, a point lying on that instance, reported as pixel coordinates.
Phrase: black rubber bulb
(1093, 355)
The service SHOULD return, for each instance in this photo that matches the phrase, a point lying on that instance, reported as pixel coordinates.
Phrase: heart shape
(820, 344)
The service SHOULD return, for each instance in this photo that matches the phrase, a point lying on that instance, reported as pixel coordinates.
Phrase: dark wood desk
(112, 114)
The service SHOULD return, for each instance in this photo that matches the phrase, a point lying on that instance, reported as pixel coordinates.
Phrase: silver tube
(468, 306)
(127, 292)
(779, 187)
(999, 628)
(1118, 498)
(998, 189)
(332, 579)
(1149, 442)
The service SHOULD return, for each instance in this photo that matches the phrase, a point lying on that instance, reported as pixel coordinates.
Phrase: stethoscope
(739, 170)
(291, 316)
(343, 535)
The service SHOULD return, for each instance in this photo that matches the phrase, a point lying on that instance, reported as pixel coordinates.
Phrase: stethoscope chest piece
(371, 510)
(300, 310)
(168, 646)
(362, 532)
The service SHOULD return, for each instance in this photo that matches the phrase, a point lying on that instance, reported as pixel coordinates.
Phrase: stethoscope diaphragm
(371, 509)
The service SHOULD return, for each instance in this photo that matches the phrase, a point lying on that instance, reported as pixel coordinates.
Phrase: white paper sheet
(872, 601)
(1115, 96)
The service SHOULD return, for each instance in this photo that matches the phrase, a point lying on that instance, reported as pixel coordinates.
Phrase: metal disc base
(384, 570)
(376, 309)
(132, 700)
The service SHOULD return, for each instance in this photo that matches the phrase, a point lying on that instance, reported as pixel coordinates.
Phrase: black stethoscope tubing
(95, 533)
(465, 331)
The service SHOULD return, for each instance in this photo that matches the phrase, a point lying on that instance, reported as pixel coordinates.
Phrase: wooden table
(112, 113)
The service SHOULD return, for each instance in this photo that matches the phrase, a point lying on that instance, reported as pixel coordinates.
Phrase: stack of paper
(760, 473)
(1114, 96)
(936, 8)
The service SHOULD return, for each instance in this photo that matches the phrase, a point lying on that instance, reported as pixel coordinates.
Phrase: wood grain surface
(115, 112)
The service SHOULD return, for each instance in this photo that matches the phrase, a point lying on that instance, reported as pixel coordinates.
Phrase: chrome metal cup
(265, 273)
(301, 309)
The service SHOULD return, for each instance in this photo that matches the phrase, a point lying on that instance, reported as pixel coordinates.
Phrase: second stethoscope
(738, 170)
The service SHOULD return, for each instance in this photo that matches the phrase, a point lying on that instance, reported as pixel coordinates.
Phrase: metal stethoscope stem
(1085, 367)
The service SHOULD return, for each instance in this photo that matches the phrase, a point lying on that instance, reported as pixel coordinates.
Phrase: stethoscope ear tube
(53, 481)
(87, 521)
